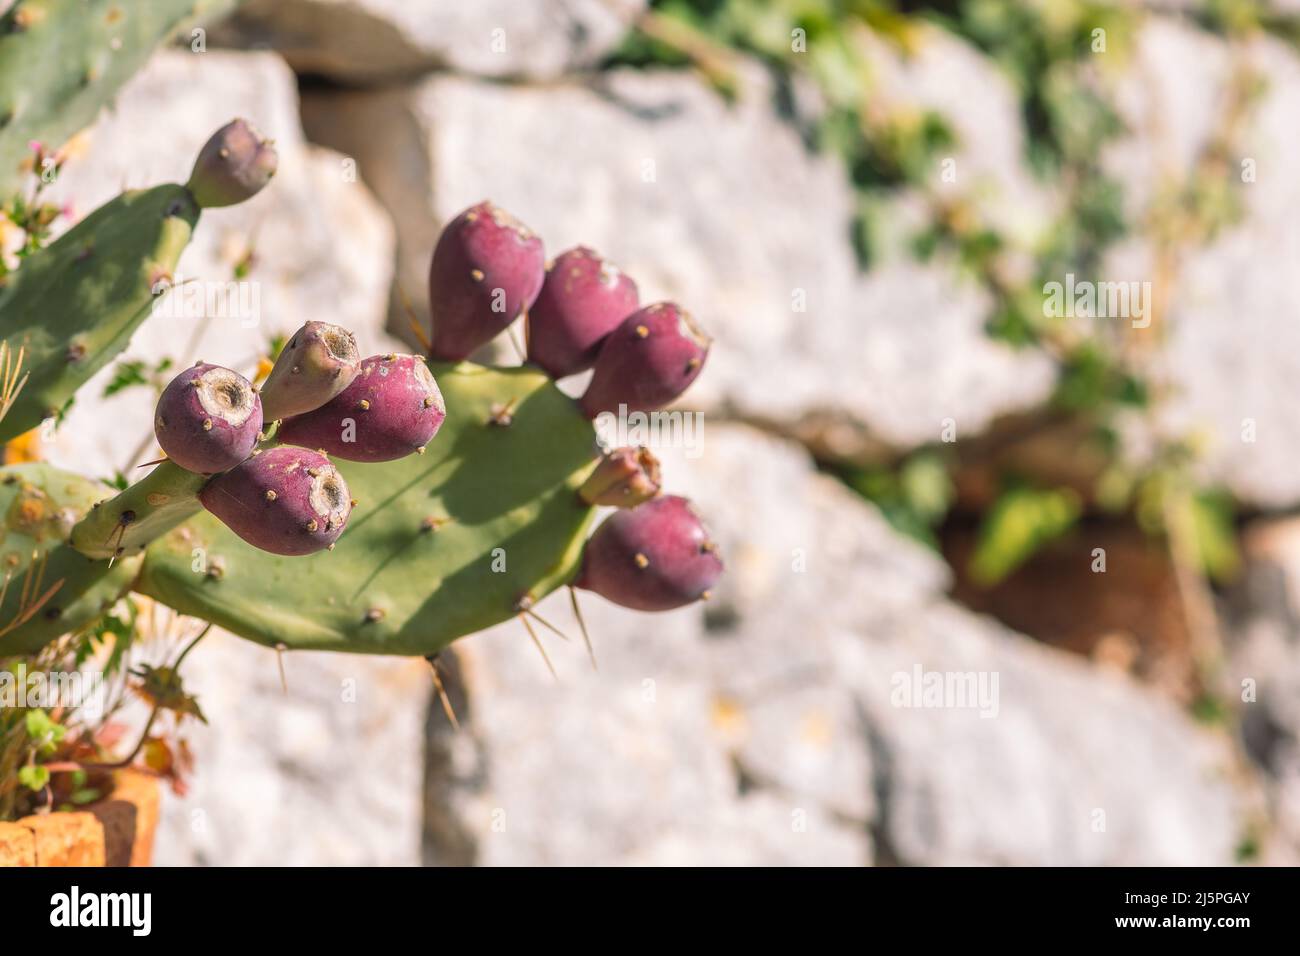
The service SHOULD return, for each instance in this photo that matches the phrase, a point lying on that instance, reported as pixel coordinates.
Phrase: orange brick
(17, 845)
(67, 839)
(129, 818)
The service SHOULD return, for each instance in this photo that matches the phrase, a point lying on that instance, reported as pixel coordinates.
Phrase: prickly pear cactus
(407, 502)
(62, 60)
(74, 305)
(440, 545)
(48, 587)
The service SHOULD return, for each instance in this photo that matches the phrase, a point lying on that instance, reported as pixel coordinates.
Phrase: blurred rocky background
(912, 466)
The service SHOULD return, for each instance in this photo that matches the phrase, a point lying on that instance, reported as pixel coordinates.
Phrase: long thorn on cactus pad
(413, 320)
(538, 644)
(514, 341)
(582, 626)
(442, 692)
(279, 660)
(525, 606)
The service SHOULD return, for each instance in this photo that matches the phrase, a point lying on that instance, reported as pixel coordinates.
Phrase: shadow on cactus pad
(440, 545)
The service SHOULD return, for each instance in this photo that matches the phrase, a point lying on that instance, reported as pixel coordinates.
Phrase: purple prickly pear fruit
(232, 166)
(207, 419)
(392, 408)
(645, 363)
(284, 500)
(319, 362)
(654, 557)
(624, 478)
(582, 300)
(486, 270)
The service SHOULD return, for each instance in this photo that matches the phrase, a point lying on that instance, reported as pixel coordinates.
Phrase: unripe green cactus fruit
(624, 478)
(122, 526)
(234, 165)
(317, 363)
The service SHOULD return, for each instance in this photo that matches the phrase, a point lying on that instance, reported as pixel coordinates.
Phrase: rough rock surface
(1264, 664)
(763, 727)
(1232, 347)
(719, 207)
(944, 75)
(327, 774)
(322, 247)
(374, 40)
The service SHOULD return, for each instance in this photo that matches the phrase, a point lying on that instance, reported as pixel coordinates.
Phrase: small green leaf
(45, 733)
(1020, 522)
(1211, 709)
(126, 375)
(1216, 535)
(34, 777)
(926, 487)
(40, 727)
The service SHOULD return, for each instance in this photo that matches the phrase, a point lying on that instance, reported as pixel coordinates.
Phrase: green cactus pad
(74, 305)
(62, 60)
(38, 505)
(155, 504)
(394, 585)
